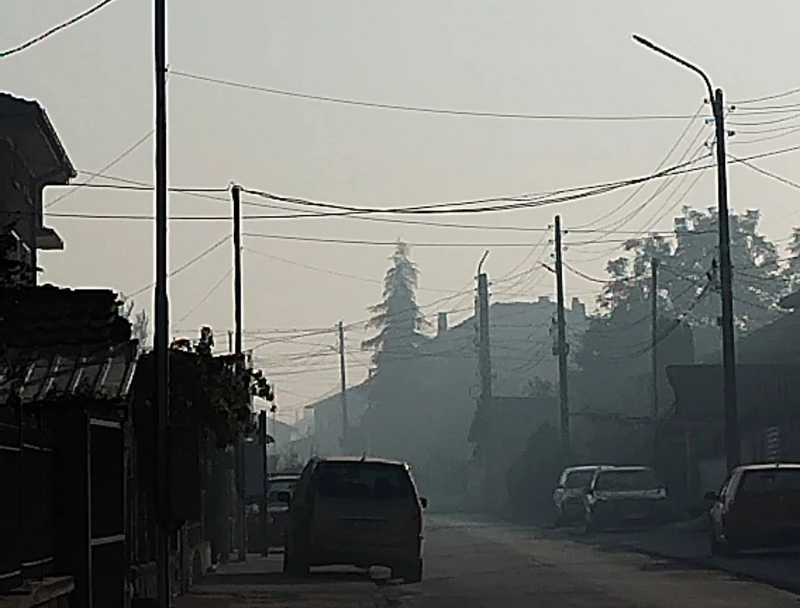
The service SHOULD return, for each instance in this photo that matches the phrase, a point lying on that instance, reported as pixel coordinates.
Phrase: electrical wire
(766, 173)
(205, 298)
(331, 272)
(421, 109)
(186, 265)
(130, 150)
(55, 29)
(768, 97)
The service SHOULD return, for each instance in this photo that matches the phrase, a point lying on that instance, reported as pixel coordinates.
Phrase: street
(477, 562)
(471, 564)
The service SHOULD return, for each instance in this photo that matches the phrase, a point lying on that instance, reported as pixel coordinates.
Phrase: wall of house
(17, 208)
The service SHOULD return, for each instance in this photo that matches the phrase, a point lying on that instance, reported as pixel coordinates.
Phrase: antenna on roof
(363, 456)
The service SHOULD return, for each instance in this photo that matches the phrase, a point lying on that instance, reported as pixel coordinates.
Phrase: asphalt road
(472, 564)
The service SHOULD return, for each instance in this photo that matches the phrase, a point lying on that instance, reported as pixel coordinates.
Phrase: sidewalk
(259, 582)
(688, 542)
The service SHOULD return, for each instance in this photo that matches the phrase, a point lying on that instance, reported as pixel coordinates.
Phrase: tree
(141, 326)
(688, 278)
(140, 322)
(398, 317)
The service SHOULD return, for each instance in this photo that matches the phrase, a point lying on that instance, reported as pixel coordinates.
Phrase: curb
(710, 563)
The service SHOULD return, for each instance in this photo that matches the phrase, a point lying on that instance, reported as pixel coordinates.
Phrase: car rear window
(364, 480)
(762, 482)
(578, 479)
(627, 480)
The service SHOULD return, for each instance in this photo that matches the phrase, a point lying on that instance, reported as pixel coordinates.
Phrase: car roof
(585, 467)
(365, 459)
(769, 466)
(628, 469)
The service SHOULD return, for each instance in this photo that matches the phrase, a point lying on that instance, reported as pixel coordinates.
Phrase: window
(627, 480)
(578, 479)
(770, 480)
(364, 480)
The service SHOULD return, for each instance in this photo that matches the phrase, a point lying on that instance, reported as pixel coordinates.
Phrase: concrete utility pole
(562, 348)
(730, 394)
(262, 442)
(484, 346)
(161, 305)
(654, 332)
(239, 464)
(345, 443)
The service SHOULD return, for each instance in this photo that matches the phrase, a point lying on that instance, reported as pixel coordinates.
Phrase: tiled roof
(48, 316)
(100, 373)
(27, 124)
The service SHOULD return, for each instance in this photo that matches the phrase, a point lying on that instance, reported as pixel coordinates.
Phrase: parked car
(620, 496)
(358, 512)
(757, 507)
(569, 493)
(281, 488)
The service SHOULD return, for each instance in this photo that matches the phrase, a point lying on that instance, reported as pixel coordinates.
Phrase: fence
(27, 515)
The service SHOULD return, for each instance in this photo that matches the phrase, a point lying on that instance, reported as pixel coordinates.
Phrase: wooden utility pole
(484, 345)
(733, 446)
(345, 443)
(654, 333)
(239, 459)
(262, 442)
(161, 305)
(562, 348)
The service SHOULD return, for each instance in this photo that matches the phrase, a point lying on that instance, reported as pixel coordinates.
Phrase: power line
(340, 241)
(769, 174)
(423, 109)
(768, 97)
(114, 162)
(331, 272)
(55, 29)
(514, 203)
(208, 294)
(188, 264)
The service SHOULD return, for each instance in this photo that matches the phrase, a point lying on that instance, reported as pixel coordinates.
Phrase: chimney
(578, 308)
(442, 324)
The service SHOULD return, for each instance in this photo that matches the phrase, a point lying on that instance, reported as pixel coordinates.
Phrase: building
(31, 158)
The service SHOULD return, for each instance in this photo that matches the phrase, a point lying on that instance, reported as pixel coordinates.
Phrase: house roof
(99, 374)
(46, 316)
(27, 125)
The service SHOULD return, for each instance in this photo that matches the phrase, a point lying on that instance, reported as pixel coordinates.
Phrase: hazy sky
(529, 56)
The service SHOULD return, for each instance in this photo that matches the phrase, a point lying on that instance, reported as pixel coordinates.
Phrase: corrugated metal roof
(99, 374)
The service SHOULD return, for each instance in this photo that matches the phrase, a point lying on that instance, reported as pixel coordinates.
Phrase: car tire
(412, 572)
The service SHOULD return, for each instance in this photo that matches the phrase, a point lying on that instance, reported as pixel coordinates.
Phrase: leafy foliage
(688, 265)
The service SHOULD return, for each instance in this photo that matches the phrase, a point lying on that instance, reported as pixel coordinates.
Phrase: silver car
(569, 493)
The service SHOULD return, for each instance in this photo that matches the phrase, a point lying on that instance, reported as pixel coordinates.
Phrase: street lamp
(732, 444)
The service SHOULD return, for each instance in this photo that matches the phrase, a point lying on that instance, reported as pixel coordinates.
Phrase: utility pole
(239, 460)
(654, 333)
(343, 372)
(484, 346)
(732, 443)
(262, 442)
(161, 304)
(729, 391)
(562, 348)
